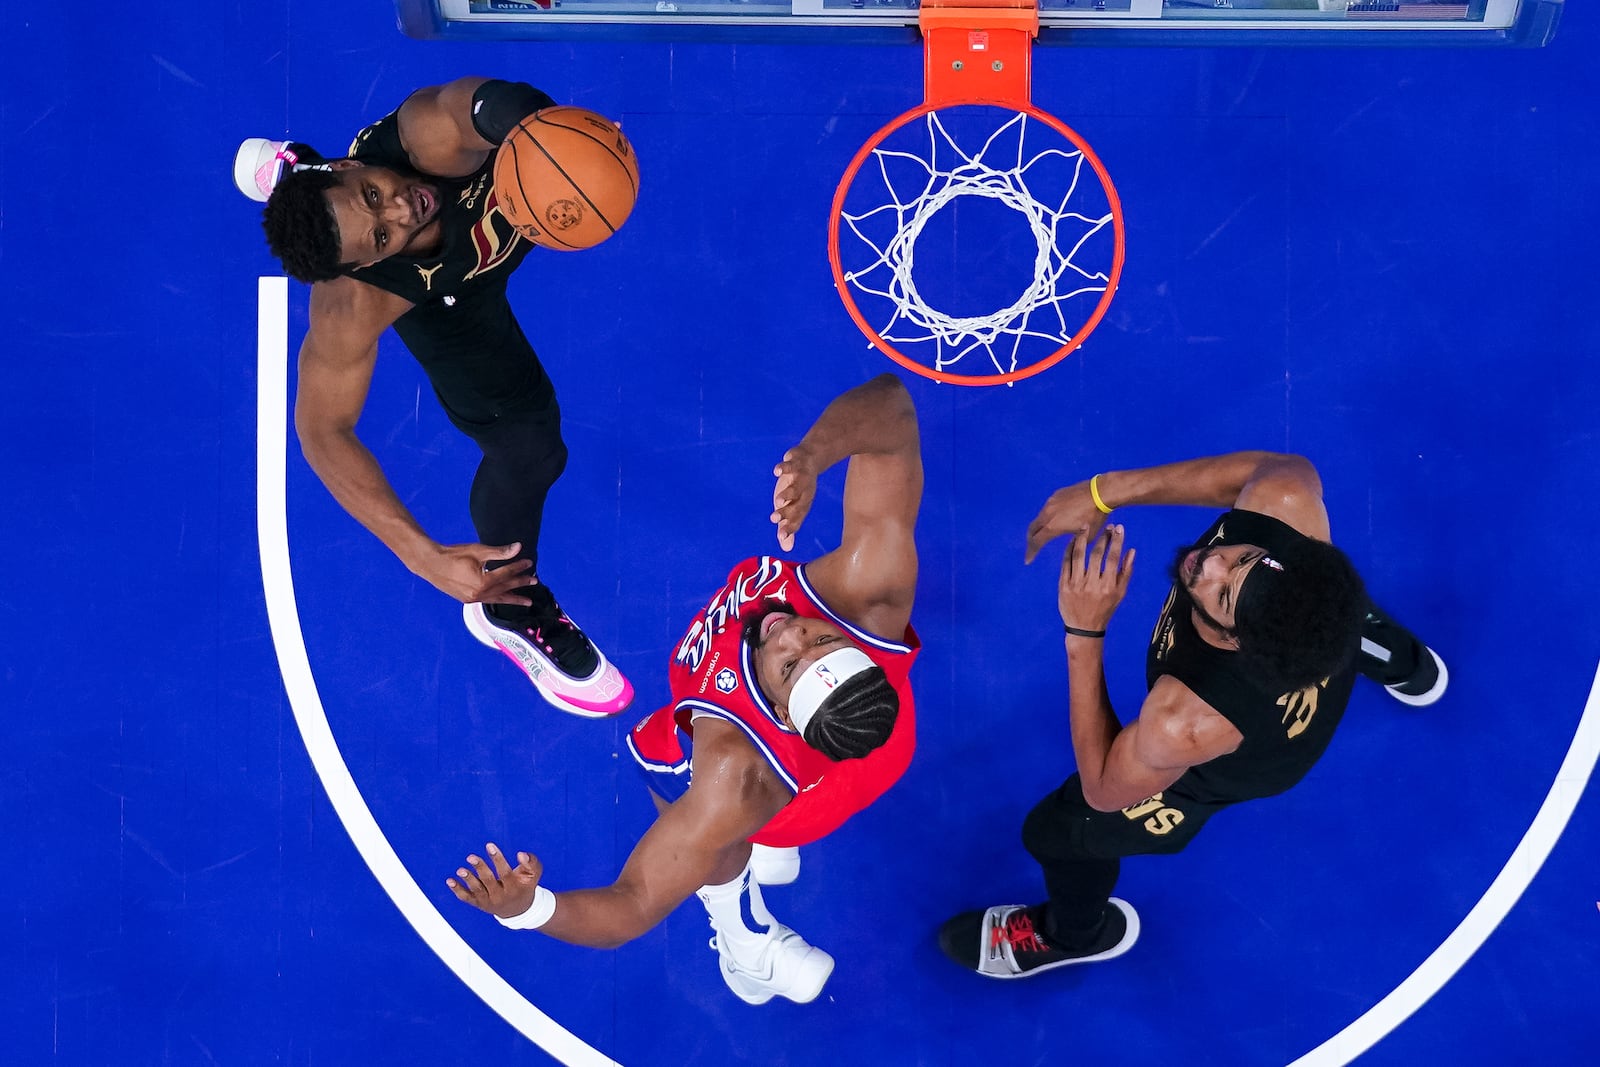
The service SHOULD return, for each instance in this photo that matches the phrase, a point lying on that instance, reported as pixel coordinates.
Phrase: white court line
(272, 366)
(1531, 852)
(271, 457)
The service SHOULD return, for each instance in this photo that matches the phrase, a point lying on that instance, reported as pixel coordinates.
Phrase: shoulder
(1289, 489)
(435, 128)
(347, 299)
(729, 771)
(345, 312)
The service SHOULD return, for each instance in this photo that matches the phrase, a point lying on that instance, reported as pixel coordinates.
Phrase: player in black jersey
(1249, 670)
(405, 231)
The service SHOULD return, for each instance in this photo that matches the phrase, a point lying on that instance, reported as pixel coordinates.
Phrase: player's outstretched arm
(872, 576)
(1284, 486)
(336, 363)
(699, 840)
(449, 130)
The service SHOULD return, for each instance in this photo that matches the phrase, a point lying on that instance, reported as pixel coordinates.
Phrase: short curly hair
(301, 230)
(1299, 616)
(856, 718)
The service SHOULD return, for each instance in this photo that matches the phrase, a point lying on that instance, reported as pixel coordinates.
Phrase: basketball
(566, 178)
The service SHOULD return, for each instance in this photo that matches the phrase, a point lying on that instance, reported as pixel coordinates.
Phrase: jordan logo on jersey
(427, 275)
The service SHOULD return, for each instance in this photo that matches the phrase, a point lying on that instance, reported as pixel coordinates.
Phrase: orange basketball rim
(971, 137)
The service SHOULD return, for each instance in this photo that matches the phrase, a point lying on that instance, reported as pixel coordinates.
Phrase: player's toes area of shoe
(961, 938)
(256, 167)
(811, 974)
(798, 972)
(1427, 686)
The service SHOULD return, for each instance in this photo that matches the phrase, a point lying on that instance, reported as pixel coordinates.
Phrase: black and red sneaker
(1007, 940)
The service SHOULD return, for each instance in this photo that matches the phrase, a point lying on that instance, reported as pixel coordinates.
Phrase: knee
(1055, 822)
(531, 459)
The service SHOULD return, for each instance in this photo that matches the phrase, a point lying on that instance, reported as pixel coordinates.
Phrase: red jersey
(712, 673)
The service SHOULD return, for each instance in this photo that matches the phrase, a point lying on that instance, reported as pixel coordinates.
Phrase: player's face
(381, 212)
(1211, 577)
(784, 644)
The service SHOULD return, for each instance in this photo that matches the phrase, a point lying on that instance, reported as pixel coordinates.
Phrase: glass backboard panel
(1125, 22)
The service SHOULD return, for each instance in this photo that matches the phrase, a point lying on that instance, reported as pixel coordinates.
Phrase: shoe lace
(564, 642)
(1018, 931)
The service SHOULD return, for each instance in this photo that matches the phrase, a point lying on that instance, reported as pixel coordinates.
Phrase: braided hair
(300, 226)
(856, 718)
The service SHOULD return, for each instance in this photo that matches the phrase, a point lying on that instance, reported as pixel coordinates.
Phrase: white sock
(734, 936)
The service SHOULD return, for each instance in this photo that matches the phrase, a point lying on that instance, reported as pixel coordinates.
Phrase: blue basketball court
(245, 747)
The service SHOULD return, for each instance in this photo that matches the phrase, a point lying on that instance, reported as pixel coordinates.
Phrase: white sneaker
(259, 164)
(602, 691)
(774, 866)
(787, 967)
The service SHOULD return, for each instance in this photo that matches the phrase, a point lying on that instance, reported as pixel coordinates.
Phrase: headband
(820, 678)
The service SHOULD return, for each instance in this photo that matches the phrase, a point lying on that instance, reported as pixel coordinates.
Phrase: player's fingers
(458, 890)
(1079, 550)
(469, 880)
(482, 868)
(503, 551)
(1113, 551)
(1125, 571)
(501, 867)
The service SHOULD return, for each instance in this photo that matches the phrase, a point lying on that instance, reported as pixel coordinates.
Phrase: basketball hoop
(977, 135)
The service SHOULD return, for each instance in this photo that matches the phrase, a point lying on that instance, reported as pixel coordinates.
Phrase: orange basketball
(566, 178)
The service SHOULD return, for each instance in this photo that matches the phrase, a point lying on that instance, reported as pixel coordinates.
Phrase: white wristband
(538, 913)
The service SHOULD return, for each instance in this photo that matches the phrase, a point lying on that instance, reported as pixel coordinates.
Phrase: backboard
(1528, 23)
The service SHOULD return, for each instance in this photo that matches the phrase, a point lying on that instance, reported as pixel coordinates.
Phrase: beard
(752, 619)
(1181, 586)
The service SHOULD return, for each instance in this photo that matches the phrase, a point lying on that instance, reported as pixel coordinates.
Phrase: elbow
(1097, 799)
(318, 439)
(1291, 466)
(899, 410)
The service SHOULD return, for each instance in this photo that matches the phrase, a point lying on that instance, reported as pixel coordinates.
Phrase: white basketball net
(924, 183)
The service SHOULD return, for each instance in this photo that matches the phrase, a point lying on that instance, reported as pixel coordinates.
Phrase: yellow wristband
(1094, 492)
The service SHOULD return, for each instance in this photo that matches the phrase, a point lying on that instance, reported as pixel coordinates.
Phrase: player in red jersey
(791, 712)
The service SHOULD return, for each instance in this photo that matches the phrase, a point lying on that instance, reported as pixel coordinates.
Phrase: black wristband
(1075, 632)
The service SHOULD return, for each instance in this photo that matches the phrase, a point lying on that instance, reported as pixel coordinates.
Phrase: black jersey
(1284, 733)
(460, 326)
(479, 247)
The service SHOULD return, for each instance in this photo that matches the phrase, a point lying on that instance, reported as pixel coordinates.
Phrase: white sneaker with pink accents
(562, 663)
(259, 164)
